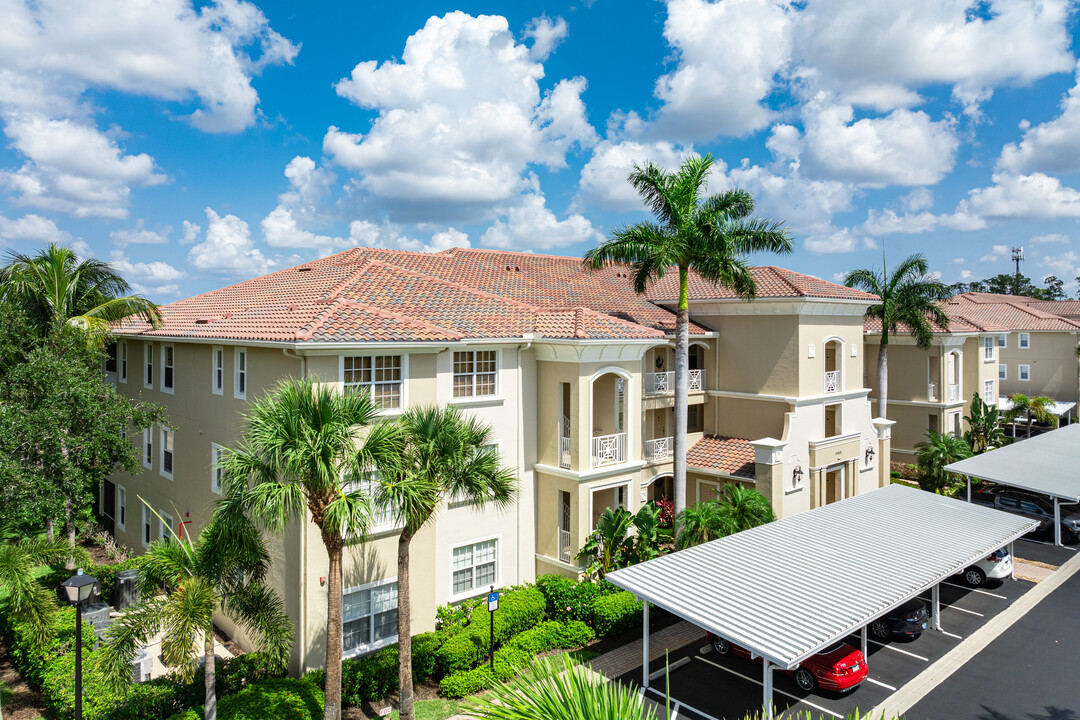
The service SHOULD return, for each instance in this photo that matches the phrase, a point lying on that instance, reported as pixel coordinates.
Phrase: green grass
(583, 656)
(438, 709)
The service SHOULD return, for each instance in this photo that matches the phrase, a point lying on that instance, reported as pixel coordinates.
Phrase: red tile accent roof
(368, 294)
(772, 282)
(989, 312)
(731, 455)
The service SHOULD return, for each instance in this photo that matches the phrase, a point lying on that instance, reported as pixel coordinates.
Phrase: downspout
(521, 459)
(301, 634)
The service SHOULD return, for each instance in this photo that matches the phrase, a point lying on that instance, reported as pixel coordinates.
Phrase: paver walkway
(1032, 572)
(624, 659)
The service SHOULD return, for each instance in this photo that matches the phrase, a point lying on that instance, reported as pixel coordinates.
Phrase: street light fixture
(78, 589)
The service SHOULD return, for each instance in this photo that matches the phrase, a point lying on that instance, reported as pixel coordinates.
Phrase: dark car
(1032, 505)
(907, 620)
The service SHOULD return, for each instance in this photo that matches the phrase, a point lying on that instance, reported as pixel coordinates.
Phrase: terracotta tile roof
(1063, 308)
(734, 456)
(989, 312)
(772, 282)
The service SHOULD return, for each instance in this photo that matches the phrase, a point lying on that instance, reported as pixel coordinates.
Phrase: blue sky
(195, 146)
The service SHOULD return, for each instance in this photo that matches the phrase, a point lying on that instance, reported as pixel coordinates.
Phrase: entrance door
(108, 509)
(834, 485)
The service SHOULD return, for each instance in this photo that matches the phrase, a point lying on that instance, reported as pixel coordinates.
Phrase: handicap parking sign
(493, 601)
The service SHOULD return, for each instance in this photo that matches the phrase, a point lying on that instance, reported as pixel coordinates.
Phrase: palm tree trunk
(883, 377)
(70, 521)
(210, 708)
(404, 627)
(682, 390)
(332, 709)
(50, 531)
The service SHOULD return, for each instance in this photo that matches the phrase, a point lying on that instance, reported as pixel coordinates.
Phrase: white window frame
(716, 484)
(148, 365)
(1003, 371)
(369, 646)
(1003, 340)
(168, 437)
(989, 394)
(239, 372)
(122, 360)
(148, 447)
(476, 589)
(989, 346)
(217, 474)
(217, 372)
(1023, 373)
(121, 507)
(166, 350)
(403, 393)
(164, 525)
(473, 396)
(379, 522)
(146, 533)
(1023, 341)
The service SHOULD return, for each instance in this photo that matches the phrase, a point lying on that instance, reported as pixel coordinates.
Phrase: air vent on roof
(202, 321)
(303, 269)
(292, 308)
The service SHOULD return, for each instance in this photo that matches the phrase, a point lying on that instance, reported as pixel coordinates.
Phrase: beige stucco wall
(817, 331)
(755, 353)
(1052, 358)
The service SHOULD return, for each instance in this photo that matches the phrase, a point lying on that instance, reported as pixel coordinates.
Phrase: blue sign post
(493, 605)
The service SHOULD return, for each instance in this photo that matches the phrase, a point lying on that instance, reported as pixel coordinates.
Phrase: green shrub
(274, 699)
(615, 613)
(370, 678)
(106, 575)
(518, 611)
(466, 683)
(234, 674)
(462, 652)
(566, 599)
(425, 648)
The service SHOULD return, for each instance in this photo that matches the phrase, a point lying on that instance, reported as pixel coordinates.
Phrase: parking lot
(707, 686)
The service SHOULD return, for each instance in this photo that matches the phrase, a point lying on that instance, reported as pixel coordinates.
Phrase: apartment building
(573, 371)
(996, 345)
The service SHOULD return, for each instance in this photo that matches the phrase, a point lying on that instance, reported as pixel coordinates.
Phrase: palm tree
(701, 523)
(1030, 408)
(934, 453)
(444, 457)
(223, 571)
(711, 236)
(303, 447)
(28, 601)
(744, 507)
(56, 288)
(909, 299)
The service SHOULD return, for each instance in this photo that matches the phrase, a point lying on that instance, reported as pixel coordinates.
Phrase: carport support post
(766, 685)
(863, 634)
(1057, 522)
(935, 607)
(1012, 561)
(968, 478)
(644, 644)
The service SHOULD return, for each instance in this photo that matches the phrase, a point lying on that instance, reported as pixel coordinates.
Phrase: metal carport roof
(788, 589)
(1047, 464)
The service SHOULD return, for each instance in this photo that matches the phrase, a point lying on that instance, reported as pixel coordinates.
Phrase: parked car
(838, 667)
(1032, 505)
(907, 620)
(998, 565)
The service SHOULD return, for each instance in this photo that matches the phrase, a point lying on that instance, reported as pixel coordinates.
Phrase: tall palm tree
(56, 288)
(711, 236)
(303, 447)
(934, 453)
(28, 601)
(909, 299)
(744, 507)
(445, 457)
(183, 585)
(1030, 408)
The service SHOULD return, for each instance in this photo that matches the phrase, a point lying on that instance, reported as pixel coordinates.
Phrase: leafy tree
(984, 426)
(28, 601)
(711, 236)
(183, 585)
(56, 288)
(1031, 408)
(909, 300)
(1010, 284)
(1054, 289)
(934, 453)
(302, 447)
(444, 457)
(744, 507)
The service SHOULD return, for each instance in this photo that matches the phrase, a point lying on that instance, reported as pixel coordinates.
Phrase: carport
(1046, 464)
(789, 589)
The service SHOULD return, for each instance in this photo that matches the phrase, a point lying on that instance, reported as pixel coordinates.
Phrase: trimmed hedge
(615, 613)
(275, 699)
(518, 611)
(566, 599)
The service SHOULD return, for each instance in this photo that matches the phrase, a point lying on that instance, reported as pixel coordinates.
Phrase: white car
(996, 566)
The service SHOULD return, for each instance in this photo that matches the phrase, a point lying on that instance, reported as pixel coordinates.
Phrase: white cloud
(546, 35)
(965, 274)
(191, 233)
(139, 235)
(530, 224)
(1051, 238)
(1021, 197)
(829, 240)
(1065, 266)
(152, 278)
(1052, 146)
(33, 228)
(603, 178)
(459, 119)
(958, 260)
(807, 206)
(889, 222)
(390, 237)
(997, 252)
(916, 200)
(228, 249)
(299, 209)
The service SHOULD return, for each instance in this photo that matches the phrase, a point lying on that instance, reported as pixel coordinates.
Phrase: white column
(968, 478)
(645, 644)
(935, 607)
(766, 684)
(1057, 522)
(864, 642)
(1012, 563)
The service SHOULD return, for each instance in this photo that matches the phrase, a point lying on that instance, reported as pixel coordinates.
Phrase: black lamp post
(78, 588)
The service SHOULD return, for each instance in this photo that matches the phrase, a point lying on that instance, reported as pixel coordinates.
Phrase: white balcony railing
(954, 393)
(608, 449)
(832, 381)
(931, 392)
(564, 452)
(664, 382)
(564, 545)
(659, 448)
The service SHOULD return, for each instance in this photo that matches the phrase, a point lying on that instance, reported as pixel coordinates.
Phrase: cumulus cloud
(603, 178)
(32, 228)
(139, 235)
(1022, 197)
(546, 35)
(228, 249)
(530, 224)
(1066, 265)
(152, 278)
(190, 233)
(997, 252)
(1051, 238)
(390, 237)
(889, 222)
(300, 208)
(1052, 146)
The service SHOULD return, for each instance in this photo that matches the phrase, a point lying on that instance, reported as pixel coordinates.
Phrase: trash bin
(125, 589)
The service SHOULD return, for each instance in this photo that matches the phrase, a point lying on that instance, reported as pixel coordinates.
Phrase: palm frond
(261, 612)
(125, 636)
(187, 618)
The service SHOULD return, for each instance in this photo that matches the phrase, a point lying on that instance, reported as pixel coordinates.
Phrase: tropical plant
(985, 430)
(25, 600)
(55, 287)
(711, 236)
(305, 447)
(603, 551)
(1031, 409)
(444, 456)
(667, 513)
(644, 544)
(559, 689)
(934, 453)
(701, 523)
(183, 585)
(744, 507)
(909, 302)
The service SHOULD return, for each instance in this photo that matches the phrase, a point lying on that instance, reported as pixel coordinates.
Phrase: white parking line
(950, 635)
(877, 682)
(896, 649)
(673, 666)
(1045, 542)
(976, 590)
(969, 612)
(680, 703)
(780, 692)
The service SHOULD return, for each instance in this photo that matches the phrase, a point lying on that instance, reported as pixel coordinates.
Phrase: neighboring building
(996, 345)
(571, 368)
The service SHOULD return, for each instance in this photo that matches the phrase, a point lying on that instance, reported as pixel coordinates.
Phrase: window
(1023, 373)
(240, 379)
(166, 529)
(1003, 372)
(707, 490)
(1002, 340)
(1024, 341)
(121, 507)
(168, 360)
(474, 566)
(145, 526)
(369, 618)
(167, 452)
(695, 418)
(217, 369)
(148, 447)
(988, 392)
(988, 348)
(217, 473)
(474, 373)
(367, 484)
(380, 375)
(148, 363)
(122, 357)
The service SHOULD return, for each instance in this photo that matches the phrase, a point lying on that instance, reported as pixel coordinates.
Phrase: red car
(838, 667)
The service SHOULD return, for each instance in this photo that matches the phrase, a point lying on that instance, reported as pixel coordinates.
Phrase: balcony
(664, 382)
(608, 450)
(564, 453)
(954, 393)
(659, 449)
(931, 392)
(832, 381)
(564, 545)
